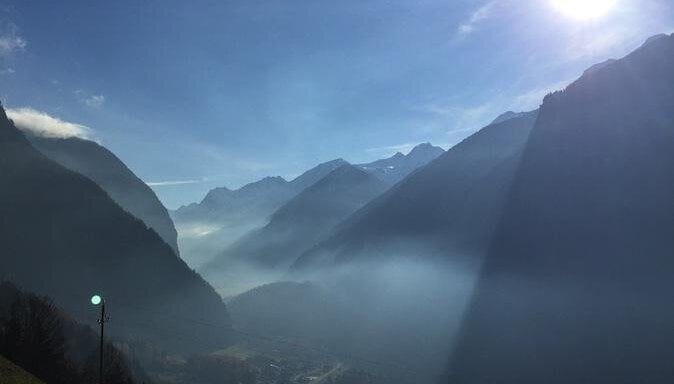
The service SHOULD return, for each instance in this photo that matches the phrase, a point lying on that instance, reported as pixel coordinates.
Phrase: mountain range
(448, 206)
(225, 216)
(205, 229)
(303, 220)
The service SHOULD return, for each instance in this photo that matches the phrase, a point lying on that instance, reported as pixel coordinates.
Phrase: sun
(583, 10)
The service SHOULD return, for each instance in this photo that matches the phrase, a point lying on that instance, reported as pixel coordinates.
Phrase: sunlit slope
(577, 285)
(62, 235)
(12, 374)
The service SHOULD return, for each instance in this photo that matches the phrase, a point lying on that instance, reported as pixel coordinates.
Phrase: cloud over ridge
(41, 124)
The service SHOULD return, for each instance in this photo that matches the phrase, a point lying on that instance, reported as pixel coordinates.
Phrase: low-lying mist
(397, 316)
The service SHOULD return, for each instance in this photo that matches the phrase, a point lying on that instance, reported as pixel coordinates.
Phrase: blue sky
(198, 94)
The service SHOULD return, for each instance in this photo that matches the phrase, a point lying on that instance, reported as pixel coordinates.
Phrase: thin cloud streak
(9, 44)
(392, 149)
(481, 14)
(174, 182)
(95, 101)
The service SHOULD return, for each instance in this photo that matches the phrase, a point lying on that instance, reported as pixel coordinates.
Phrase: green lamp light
(96, 299)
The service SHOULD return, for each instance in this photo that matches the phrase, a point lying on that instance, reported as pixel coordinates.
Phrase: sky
(193, 95)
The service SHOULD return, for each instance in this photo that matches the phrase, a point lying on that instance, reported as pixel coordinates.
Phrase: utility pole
(96, 300)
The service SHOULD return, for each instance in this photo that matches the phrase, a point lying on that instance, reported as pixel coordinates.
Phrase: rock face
(398, 166)
(298, 224)
(110, 173)
(449, 206)
(578, 280)
(62, 235)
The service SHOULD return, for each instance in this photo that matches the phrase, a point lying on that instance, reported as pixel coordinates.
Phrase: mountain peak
(655, 38)
(599, 66)
(509, 115)
(316, 173)
(395, 168)
(272, 179)
(338, 162)
(425, 148)
(215, 195)
(346, 171)
(422, 154)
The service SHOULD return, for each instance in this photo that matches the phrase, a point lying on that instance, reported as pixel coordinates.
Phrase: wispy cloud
(10, 44)
(44, 125)
(479, 15)
(91, 101)
(174, 182)
(95, 101)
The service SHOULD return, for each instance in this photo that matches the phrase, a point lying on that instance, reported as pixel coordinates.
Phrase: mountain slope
(303, 220)
(62, 235)
(111, 174)
(224, 216)
(577, 284)
(449, 205)
(398, 166)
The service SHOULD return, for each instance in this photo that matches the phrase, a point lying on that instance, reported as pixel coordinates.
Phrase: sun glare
(583, 10)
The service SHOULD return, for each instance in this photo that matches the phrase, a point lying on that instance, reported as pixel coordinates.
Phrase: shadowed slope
(110, 173)
(577, 285)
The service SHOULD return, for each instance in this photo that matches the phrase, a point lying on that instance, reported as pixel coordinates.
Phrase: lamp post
(97, 300)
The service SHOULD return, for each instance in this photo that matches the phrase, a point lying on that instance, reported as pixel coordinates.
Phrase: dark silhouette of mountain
(62, 235)
(110, 173)
(398, 166)
(224, 216)
(578, 281)
(449, 205)
(298, 224)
